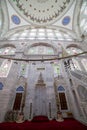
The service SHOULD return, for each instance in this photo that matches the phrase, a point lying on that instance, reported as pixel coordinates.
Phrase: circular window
(66, 20)
(15, 19)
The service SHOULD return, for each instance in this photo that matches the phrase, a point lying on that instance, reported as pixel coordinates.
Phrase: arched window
(23, 69)
(1, 86)
(40, 34)
(5, 68)
(41, 50)
(56, 67)
(18, 98)
(73, 50)
(6, 64)
(7, 51)
(62, 98)
(84, 62)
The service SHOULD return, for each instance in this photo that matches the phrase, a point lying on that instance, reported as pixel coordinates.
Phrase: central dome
(41, 12)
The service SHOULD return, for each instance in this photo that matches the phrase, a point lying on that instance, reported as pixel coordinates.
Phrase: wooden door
(63, 102)
(17, 102)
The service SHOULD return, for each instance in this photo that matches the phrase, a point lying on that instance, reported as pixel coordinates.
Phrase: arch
(42, 44)
(73, 45)
(61, 88)
(20, 89)
(1, 86)
(73, 49)
(7, 45)
(29, 27)
(38, 44)
(7, 49)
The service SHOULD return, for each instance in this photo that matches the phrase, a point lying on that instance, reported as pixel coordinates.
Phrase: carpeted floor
(67, 124)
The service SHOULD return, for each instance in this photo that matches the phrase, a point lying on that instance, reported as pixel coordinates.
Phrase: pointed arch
(7, 50)
(20, 89)
(61, 88)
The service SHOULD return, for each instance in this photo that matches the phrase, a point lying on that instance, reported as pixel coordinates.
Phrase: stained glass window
(5, 68)
(56, 67)
(61, 88)
(23, 69)
(73, 50)
(40, 33)
(41, 50)
(7, 51)
(20, 89)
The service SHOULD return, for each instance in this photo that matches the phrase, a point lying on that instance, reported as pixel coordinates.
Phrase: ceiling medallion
(15, 19)
(41, 12)
(66, 20)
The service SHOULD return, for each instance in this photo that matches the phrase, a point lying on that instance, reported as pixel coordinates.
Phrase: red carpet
(68, 124)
